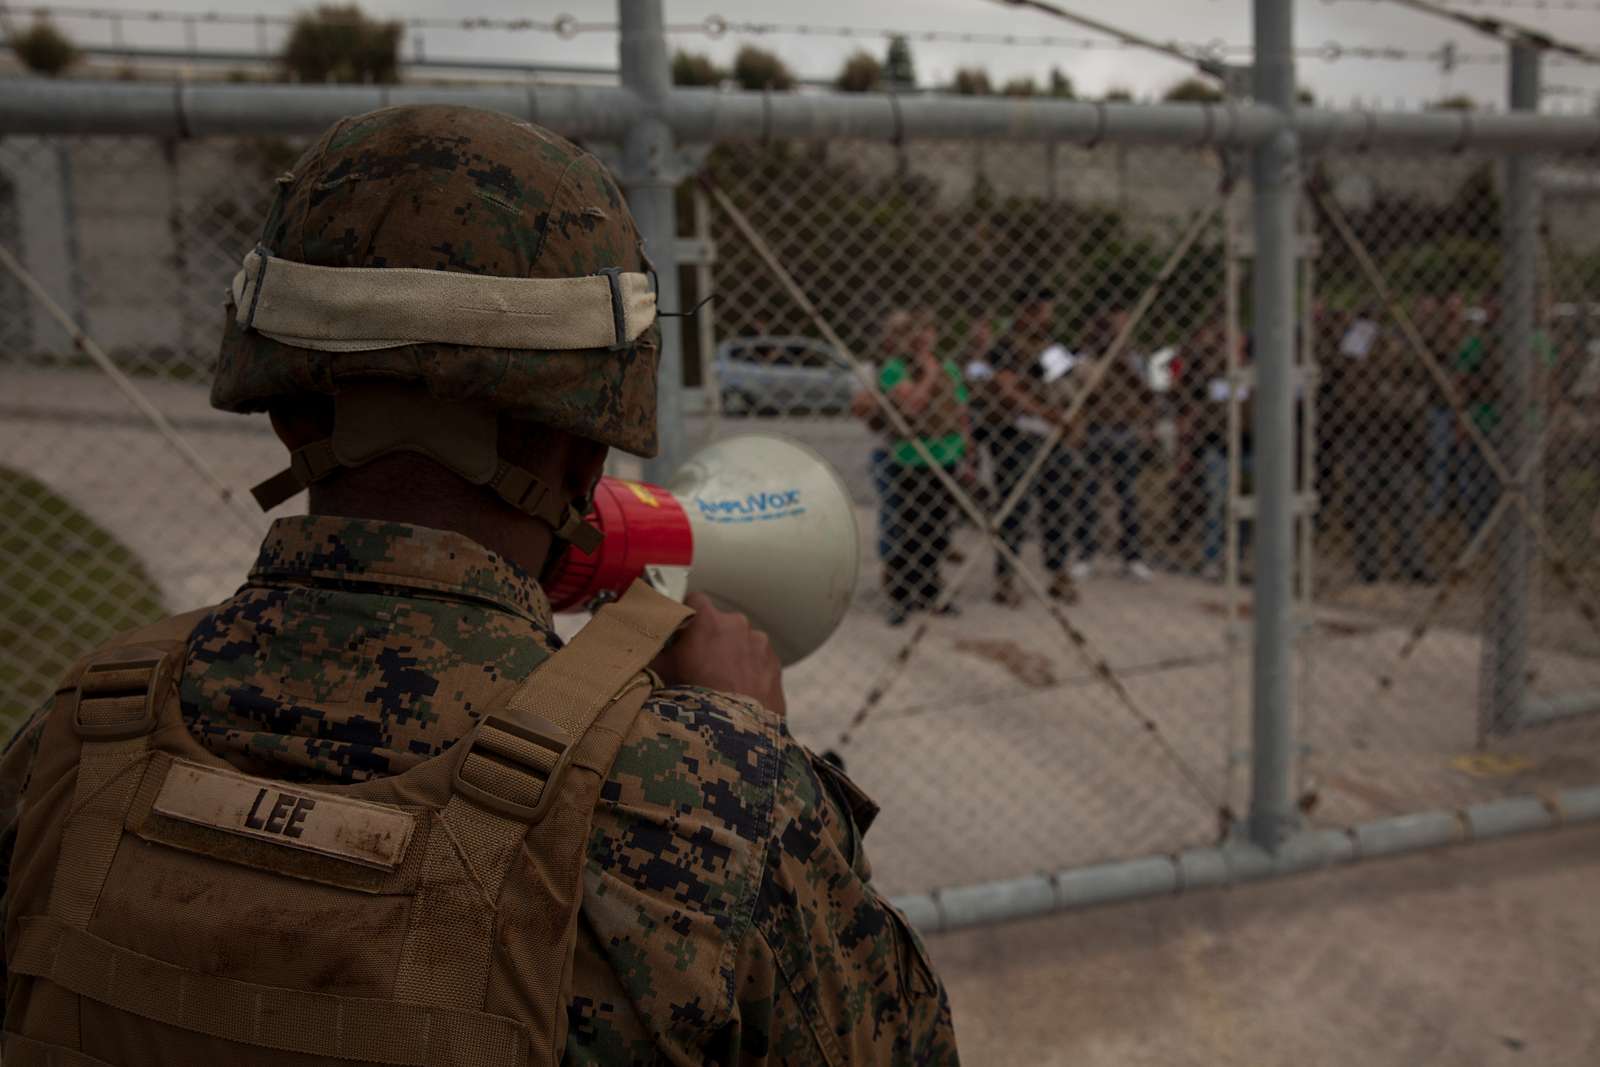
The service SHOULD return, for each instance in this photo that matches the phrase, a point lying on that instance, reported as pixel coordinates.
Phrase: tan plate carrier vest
(197, 915)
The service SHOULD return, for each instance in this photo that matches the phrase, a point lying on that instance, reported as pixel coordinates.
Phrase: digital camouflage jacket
(728, 915)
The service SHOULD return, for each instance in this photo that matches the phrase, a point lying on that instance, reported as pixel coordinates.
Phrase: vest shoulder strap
(113, 698)
(163, 637)
(525, 784)
(542, 724)
(574, 686)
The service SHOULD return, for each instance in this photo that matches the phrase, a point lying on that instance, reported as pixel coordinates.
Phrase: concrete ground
(1485, 954)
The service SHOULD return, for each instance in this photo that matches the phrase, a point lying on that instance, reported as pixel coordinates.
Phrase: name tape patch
(369, 834)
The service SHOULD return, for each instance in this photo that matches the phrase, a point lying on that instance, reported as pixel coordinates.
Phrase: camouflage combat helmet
(483, 198)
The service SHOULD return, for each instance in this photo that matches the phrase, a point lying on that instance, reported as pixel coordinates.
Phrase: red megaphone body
(644, 526)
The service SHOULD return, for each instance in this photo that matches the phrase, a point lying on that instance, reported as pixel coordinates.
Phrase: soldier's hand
(721, 650)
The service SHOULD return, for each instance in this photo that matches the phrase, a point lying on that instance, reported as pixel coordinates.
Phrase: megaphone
(759, 523)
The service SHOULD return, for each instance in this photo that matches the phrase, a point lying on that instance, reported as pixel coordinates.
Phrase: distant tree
(1024, 86)
(1061, 85)
(972, 81)
(341, 44)
(1458, 102)
(44, 49)
(695, 68)
(1118, 94)
(756, 68)
(898, 66)
(861, 73)
(1193, 91)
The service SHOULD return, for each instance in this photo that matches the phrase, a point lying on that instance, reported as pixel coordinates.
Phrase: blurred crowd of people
(1393, 459)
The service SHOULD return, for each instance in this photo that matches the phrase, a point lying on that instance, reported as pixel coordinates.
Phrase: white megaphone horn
(759, 523)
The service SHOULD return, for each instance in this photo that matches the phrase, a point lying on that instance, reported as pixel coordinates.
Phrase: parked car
(773, 375)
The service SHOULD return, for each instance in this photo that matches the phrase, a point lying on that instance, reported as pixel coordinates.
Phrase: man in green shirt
(931, 395)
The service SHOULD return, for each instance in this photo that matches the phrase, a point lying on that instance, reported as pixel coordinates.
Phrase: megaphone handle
(668, 580)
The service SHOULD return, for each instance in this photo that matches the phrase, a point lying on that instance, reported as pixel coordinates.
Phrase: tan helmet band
(355, 309)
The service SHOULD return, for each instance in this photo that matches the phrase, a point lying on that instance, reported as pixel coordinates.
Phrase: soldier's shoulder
(676, 855)
(707, 793)
(693, 748)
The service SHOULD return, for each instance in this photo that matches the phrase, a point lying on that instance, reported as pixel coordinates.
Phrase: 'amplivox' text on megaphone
(761, 524)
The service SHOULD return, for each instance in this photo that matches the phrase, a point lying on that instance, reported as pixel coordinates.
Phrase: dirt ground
(1481, 954)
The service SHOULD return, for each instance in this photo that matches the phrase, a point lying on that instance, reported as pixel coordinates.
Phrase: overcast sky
(1349, 23)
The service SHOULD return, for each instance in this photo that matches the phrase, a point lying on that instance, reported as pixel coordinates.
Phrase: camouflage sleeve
(15, 766)
(830, 972)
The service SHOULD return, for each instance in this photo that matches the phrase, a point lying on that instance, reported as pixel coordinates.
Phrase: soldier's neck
(398, 488)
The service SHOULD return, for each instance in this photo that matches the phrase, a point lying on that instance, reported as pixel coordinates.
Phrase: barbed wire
(1529, 5)
(1502, 29)
(1205, 63)
(715, 27)
(562, 25)
(1447, 56)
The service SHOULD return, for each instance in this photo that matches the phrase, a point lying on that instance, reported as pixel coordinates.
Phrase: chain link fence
(1066, 330)
(1454, 538)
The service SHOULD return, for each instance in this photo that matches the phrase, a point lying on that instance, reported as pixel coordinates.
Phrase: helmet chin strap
(561, 547)
(377, 419)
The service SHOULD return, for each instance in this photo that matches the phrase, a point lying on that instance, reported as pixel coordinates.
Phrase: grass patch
(66, 585)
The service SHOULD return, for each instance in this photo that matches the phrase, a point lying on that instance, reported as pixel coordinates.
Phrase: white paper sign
(1032, 424)
(1057, 362)
(1359, 338)
(1220, 390)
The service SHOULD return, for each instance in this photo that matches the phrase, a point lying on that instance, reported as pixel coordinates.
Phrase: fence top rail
(604, 113)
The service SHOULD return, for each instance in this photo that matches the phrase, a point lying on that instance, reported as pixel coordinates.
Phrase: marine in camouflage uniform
(728, 915)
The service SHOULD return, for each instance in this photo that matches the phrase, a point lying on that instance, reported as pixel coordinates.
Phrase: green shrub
(972, 81)
(44, 49)
(1193, 91)
(756, 68)
(69, 586)
(695, 68)
(341, 44)
(861, 73)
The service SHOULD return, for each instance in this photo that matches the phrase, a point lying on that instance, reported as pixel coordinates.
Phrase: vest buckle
(120, 698)
(513, 768)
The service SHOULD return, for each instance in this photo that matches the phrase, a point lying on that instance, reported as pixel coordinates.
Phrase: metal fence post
(1503, 685)
(1276, 181)
(649, 173)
